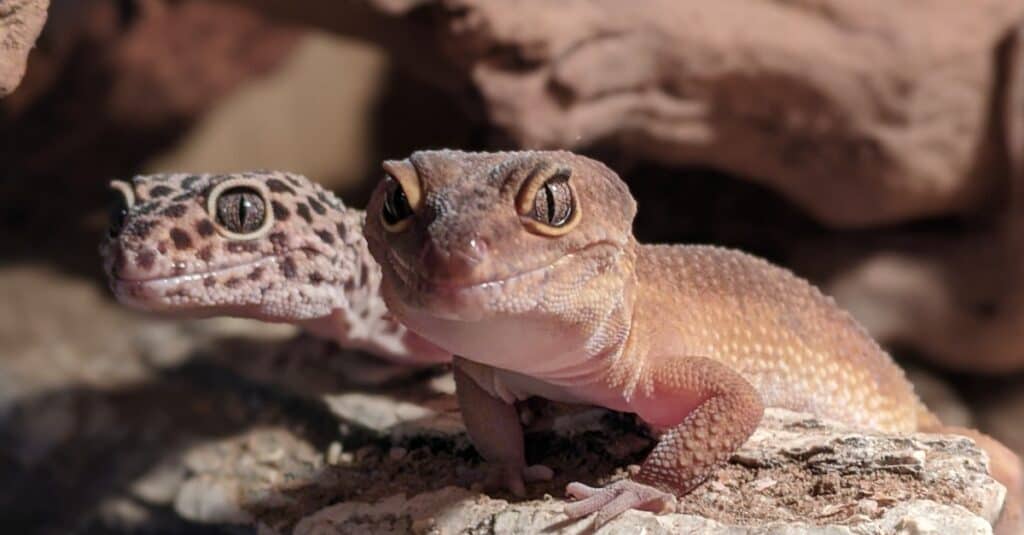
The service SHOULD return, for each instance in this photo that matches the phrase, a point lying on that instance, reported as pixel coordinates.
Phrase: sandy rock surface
(796, 475)
(116, 422)
(905, 100)
(20, 24)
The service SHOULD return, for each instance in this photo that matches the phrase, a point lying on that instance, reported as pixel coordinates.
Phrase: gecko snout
(456, 262)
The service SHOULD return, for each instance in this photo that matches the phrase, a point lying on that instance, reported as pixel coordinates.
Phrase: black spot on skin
(280, 212)
(327, 237)
(342, 231)
(310, 252)
(279, 239)
(316, 278)
(294, 181)
(189, 181)
(256, 273)
(181, 239)
(204, 227)
(206, 253)
(288, 268)
(146, 259)
(303, 212)
(243, 246)
(233, 282)
(140, 229)
(183, 197)
(317, 207)
(160, 191)
(145, 209)
(175, 210)
(277, 186)
(162, 247)
(209, 281)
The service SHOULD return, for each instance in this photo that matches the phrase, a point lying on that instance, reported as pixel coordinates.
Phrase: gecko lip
(460, 300)
(154, 293)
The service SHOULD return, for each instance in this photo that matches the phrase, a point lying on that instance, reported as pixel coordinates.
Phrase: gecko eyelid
(122, 203)
(239, 207)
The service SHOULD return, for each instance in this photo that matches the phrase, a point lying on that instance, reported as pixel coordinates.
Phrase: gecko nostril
(474, 250)
(457, 261)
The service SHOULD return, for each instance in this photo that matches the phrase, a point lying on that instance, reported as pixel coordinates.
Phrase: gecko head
(266, 245)
(516, 236)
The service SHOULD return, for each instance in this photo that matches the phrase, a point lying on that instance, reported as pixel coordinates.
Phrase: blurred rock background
(873, 148)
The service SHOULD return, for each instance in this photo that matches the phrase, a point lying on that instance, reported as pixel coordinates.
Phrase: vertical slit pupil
(552, 216)
(241, 210)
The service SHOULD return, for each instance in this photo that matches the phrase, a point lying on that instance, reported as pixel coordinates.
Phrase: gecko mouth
(464, 300)
(192, 290)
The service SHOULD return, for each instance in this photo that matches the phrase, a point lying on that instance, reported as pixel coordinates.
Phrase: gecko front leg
(495, 431)
(708, 411)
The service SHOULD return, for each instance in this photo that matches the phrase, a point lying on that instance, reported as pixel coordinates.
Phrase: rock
(132, 74)
(397, 419)
(455, 510)
(20, 24)
(327, 85)
(897, 98)
(796, 474)
(255, 467)
(951, 297)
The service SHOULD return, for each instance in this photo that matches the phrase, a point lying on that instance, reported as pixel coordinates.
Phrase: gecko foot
(615, 499)
(515, 477)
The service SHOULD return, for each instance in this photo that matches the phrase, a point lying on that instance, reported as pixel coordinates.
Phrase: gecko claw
(615, 499)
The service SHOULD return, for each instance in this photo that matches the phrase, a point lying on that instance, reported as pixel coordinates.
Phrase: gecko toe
(537, 472)
(590, 499)
(611, 501)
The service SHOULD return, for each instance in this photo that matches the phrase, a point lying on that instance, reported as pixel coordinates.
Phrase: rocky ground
(115, 423)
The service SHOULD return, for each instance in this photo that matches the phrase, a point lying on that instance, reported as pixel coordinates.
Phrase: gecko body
(266, 245)
(523, 264)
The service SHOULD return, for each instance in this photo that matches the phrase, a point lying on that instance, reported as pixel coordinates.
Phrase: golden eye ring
(402, 199)
(547, 202)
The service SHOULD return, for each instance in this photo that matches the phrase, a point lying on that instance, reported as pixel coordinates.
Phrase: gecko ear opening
(240, 208)
(547, 202)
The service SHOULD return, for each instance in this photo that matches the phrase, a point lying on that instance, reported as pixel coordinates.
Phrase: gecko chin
(517, 313)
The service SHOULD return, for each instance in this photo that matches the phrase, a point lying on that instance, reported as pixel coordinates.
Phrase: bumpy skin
(696, 340)
(309, 266)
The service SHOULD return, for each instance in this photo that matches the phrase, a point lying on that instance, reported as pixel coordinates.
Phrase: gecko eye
(120, 204)
(396, 214)
(240, 208)
(552, 205)
(547, 202)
